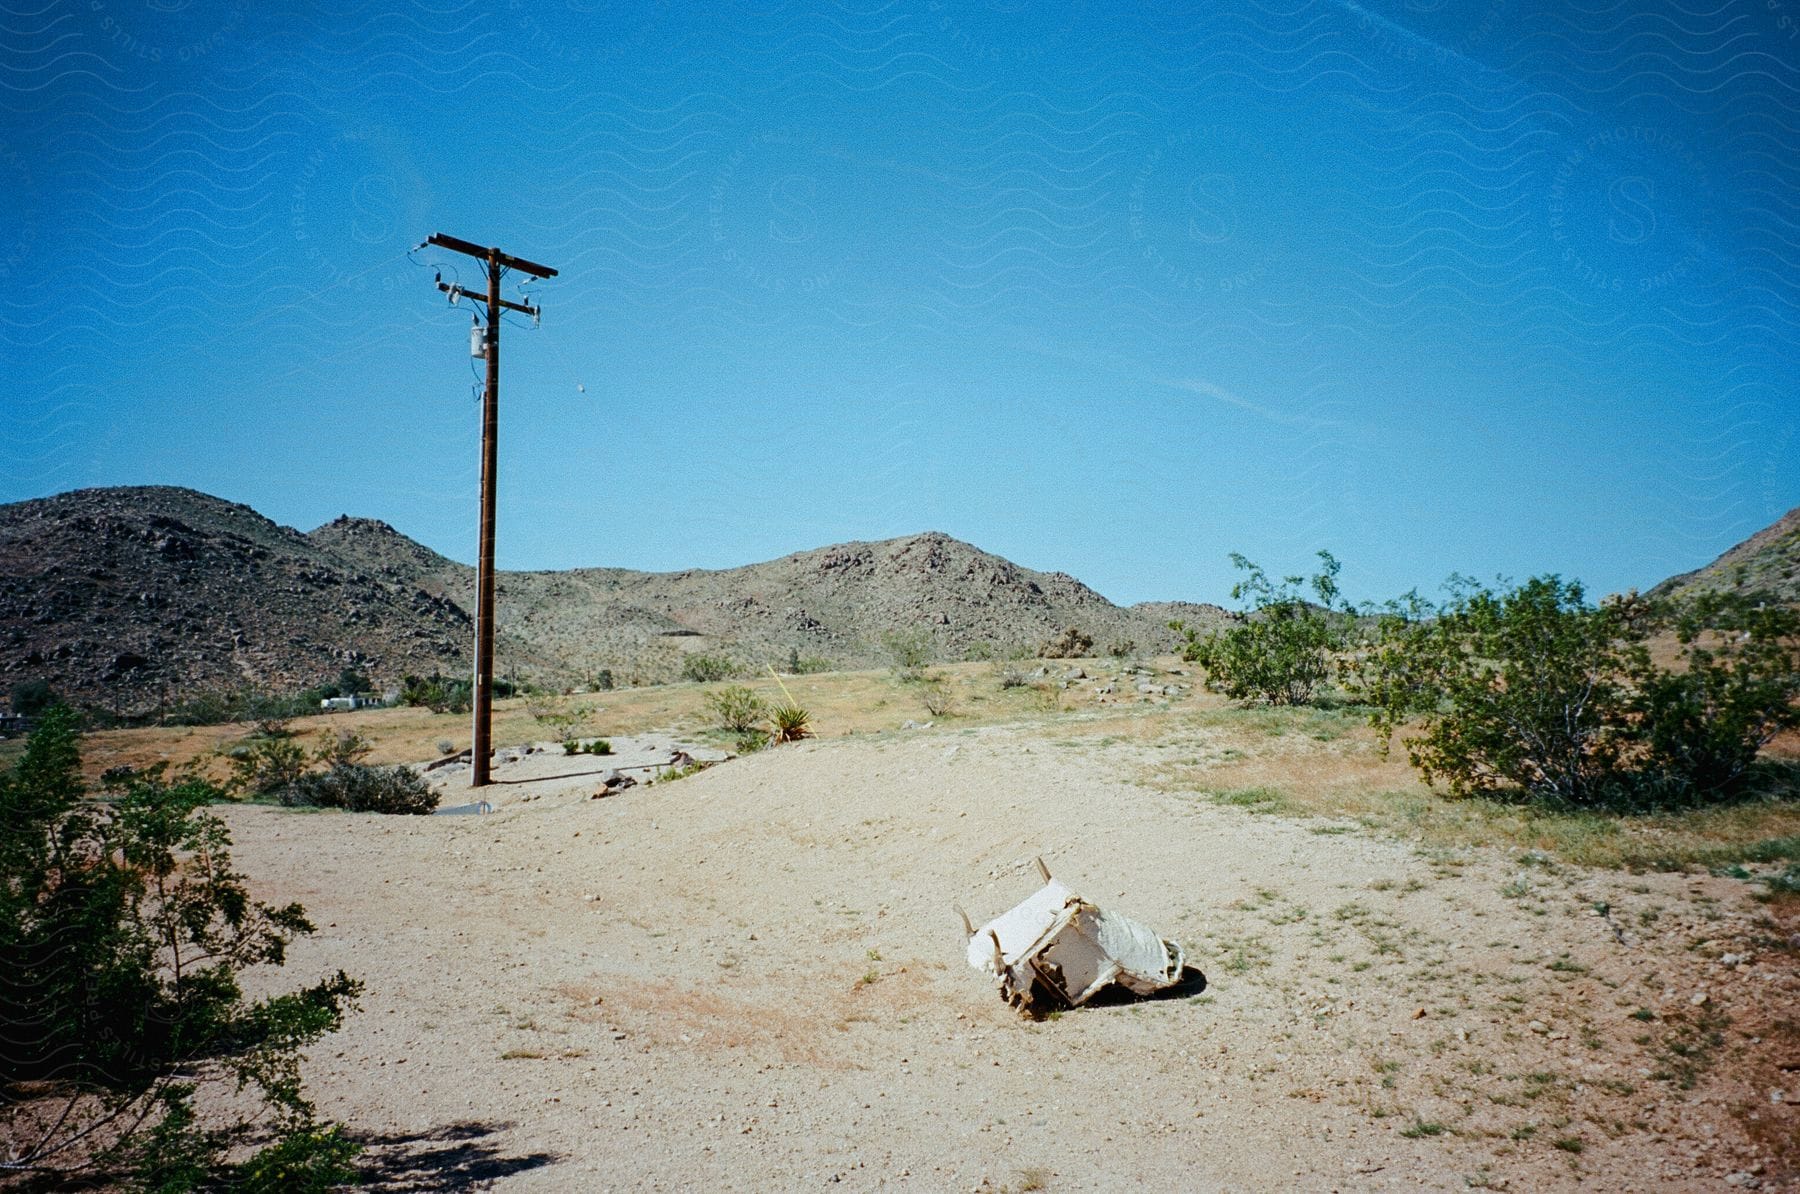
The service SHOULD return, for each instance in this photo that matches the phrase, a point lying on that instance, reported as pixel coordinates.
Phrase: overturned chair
(1056, 950)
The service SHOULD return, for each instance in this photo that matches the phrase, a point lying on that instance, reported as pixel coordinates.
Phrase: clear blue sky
(1114, 289)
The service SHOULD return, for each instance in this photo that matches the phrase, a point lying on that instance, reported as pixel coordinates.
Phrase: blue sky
(1440, 286)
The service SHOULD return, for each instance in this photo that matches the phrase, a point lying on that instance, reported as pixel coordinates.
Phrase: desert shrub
(909, 651)
(201, 709)
(790, 722)
(357, 788)
(32, 697)
(345, 746)
(736, 708)
(603, 680)
(1070, 644)
(750, 741)
(267, 767)
(1533, 689)
(1280, 652)
(935, 697)
(350, 681)
(1122, 649)
(445, 746)
(216, 708)
(1009, 673)
(1514, 689)
(439, 693)
(1700, 725)
(704, 668)
(809, 665)
(568, 724)
(599, 746)
(123, 933)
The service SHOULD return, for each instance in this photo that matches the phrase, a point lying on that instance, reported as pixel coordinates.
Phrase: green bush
(440, 694)
(267, 767)
(357, 788)
(1701, 725)
(599, 746)
(273, 709)
(703, 668)
(1514, 688)
(1280, 652)
(736, 708)
(909, 651)
(123, 932)
(349, 682)
(1533, 689)
(32, 697)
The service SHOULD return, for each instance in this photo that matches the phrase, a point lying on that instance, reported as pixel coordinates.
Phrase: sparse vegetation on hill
(1765, 566)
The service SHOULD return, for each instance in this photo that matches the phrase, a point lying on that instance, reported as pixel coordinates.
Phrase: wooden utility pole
(496, 263)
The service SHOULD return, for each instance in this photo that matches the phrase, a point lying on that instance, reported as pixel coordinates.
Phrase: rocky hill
(832, 603)
(1768, 562)
(130, 599)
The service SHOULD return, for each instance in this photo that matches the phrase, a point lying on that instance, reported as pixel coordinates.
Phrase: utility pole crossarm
(456, 291)
(504, 260)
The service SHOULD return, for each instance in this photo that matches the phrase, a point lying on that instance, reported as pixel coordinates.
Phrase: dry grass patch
(1326, 764)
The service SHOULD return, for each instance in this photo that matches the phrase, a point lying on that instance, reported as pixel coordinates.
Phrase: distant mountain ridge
(1768, 562)
(134, 598)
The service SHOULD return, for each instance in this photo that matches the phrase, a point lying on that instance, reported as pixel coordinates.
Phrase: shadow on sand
(455, 1157)
(1191, 983)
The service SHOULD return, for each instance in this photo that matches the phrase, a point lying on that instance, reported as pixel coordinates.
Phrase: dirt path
(752, 979)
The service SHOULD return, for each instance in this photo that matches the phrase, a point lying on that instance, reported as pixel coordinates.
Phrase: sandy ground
(753, 979)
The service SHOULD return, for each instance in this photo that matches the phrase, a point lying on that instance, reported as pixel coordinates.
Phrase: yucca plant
(791, 723)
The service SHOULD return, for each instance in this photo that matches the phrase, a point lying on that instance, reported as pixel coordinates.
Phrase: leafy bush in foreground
(123, 930)
(1514, 689)
(357, 788)
(1534, 689)
(1704, 723)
